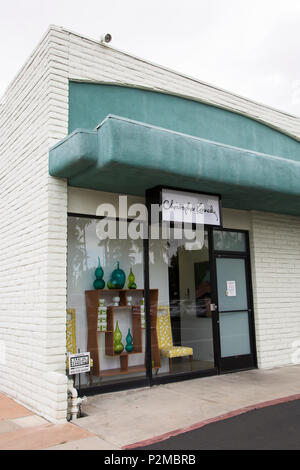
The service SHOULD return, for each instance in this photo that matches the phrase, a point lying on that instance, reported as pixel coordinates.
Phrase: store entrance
(190, 298)
(205, 317)
(232, 307)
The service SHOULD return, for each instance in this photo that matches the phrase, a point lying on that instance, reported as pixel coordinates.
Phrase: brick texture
(275, 252)
(33, 235)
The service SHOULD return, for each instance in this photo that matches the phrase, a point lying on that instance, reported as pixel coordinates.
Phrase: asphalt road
(271, 428)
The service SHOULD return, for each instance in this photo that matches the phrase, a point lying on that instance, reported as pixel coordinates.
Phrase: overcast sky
(250, 47)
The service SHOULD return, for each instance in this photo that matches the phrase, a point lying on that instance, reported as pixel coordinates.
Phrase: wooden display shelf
(136, 329)
(92, 304)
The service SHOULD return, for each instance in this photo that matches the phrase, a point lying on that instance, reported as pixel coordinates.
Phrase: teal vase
(129, 345)
(117, 280)
(118, 346)
(99, 273)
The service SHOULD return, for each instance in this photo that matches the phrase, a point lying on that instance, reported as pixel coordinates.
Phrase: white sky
(250, 47)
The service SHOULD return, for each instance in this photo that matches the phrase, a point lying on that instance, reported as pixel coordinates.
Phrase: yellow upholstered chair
(71, 334)
(71, 331)
(165, 339)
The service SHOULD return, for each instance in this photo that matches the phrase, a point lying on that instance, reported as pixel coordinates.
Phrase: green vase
(118, 346)
(131, 280)
(129, 345)
(99, 273)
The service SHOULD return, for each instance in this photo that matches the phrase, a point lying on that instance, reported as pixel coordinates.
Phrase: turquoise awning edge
(122, 155)
(73, 154)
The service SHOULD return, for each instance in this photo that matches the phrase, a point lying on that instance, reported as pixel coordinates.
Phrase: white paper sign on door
(231, 289)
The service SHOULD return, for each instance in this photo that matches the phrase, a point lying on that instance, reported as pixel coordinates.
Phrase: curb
(200, 424)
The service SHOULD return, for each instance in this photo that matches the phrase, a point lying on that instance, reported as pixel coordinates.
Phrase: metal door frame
(241, 362)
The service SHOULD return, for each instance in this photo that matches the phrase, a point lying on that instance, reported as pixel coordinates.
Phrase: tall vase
(118, 346)
(99, 283)
(129, 339)
(131, 280)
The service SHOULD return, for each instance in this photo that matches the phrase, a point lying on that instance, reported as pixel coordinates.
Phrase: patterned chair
(71, 331)
(71, 334)
(165, 339)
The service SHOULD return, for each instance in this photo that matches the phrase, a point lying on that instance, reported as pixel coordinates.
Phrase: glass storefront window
(106, 301)
(101, 315)
(229, 241)
(184, 324)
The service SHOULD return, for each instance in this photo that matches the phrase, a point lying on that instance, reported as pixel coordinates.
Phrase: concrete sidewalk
(20, 429)
(140, 417)
(143, 416)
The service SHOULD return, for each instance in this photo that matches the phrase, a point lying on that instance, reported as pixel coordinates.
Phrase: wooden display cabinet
(92, 298)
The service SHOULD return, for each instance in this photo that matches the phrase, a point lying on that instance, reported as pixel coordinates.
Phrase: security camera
(106, 38)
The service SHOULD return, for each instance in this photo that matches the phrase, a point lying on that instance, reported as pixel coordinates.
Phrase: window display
(110, 319)
(106, 290)
(108, 306)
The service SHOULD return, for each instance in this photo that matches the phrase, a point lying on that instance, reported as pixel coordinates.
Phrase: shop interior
(106, 305)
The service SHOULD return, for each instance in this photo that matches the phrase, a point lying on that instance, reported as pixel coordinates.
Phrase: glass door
(181, 274)
(233, 312)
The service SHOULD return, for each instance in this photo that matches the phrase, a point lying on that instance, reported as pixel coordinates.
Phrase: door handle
(213, 307)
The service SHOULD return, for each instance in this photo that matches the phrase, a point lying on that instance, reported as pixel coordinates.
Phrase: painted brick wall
(33, 235)
(275, 245)
(33, 117)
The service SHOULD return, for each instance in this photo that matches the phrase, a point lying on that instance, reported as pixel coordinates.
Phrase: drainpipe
(73, 401)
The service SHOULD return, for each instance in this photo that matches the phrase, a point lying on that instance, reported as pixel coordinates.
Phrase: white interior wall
(196, 332)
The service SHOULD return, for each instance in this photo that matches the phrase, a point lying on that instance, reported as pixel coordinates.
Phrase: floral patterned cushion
(176, 351)
(164, 332)
(164, 336)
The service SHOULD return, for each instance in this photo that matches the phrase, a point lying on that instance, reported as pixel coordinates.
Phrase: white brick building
(38, 110)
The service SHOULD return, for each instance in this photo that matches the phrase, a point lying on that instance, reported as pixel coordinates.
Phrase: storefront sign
(79, 363)
(187, 207)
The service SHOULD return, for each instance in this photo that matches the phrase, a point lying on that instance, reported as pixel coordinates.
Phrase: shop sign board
(189, 207)
(79, 363)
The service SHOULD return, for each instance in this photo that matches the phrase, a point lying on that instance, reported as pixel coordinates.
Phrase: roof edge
(175, 72)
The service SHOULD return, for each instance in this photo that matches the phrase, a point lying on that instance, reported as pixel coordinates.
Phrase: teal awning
(125, 156)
